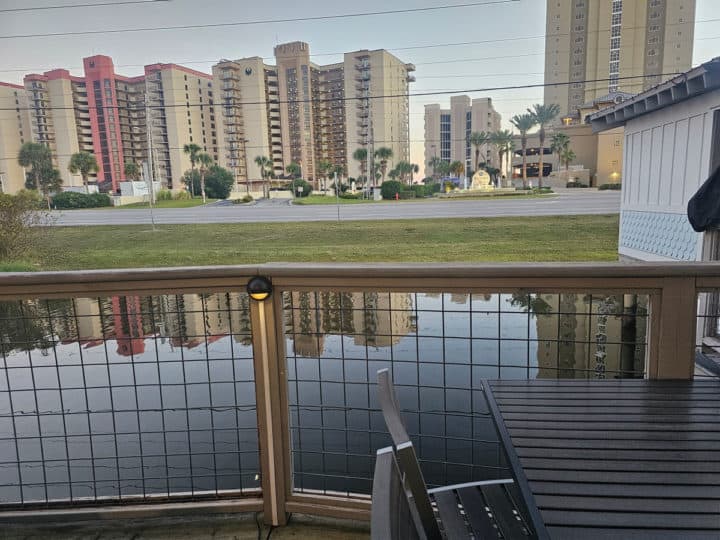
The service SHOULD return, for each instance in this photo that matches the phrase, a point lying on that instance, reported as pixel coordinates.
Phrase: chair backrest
(391, 516)
(406, 457)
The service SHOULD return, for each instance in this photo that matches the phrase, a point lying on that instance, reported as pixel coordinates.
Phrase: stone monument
(481, 181)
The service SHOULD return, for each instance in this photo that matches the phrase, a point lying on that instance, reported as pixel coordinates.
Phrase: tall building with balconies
(14, 132)
(181, 111)
(107, 115)
(447, 131)
(301, 112)
(247, 113)
(377, 86)
(61, 118)
(595, 48)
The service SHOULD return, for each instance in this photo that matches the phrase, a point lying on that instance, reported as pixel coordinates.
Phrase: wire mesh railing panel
(439, 348)
(707, 352)
(126, 398)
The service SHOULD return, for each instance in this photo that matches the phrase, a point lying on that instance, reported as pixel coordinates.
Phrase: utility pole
(337, 196)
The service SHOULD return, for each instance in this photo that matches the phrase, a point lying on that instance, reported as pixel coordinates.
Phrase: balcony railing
(142, 386)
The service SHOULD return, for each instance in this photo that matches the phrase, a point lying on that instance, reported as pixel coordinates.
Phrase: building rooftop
(697, 81)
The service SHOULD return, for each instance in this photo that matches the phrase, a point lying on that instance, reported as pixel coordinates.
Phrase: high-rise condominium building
(611, 40)
(106, 114)
(14, 131)
(299, 112)
(447, 131)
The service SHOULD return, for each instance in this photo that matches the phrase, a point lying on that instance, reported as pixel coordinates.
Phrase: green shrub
(218, 182)
(419, 190)
(182, 196)
(406, 195)
(72, 199)
(299, 183)
(164, 195)
(614, 186)
(433, 188)
(350, 196)
(390, 188)
(247, 199)
(20, 217)
(575, 184)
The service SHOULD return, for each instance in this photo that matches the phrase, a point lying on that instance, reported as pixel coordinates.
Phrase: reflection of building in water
(577, 339)
(195, 319)
(305, 321)
(373, 319)
(376, 324)
(89, 323)
(128, 325)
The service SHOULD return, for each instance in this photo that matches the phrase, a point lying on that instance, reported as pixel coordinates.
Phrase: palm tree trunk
(524, 164)
(202, 186)
(477, 157)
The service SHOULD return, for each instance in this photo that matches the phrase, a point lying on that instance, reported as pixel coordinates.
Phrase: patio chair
(403, 506)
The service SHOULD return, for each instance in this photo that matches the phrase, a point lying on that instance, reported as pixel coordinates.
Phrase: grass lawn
(180, 203)
(557, 238)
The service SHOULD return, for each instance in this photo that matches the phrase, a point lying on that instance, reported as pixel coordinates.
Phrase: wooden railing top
(350, 271)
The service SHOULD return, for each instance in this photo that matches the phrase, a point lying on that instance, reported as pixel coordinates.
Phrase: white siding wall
(667, 155)
(666, 159)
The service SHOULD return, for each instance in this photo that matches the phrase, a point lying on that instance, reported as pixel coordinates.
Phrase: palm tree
(294, 170)
(405, 171)
(360, 155)
(558, 143)
(192, 150)
(132, 171)
(36, 156)
(566, 157)
(266, 165)
(457, 168)
(83, 163)
(205, 160)
(503, 141)
(478, 139)
(383, 154)
(524, 123)
(543, 115)
(435, 164)
(443, 168)
(325, 169)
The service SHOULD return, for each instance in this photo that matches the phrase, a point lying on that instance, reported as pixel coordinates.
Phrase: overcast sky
(438, 68)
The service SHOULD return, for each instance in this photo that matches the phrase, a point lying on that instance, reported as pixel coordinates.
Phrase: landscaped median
(554, 238)
(459, 196)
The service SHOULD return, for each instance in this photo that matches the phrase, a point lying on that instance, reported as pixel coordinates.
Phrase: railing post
(673, 316)
(271, 397)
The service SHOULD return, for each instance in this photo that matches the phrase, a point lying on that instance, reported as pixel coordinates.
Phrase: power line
(358, 98)
(70, 6)
(264, 21)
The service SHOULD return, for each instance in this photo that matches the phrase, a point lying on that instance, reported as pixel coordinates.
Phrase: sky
(518, 59)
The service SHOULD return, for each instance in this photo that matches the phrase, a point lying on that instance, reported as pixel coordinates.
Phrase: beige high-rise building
(247, 116)
(14, 132)
(301, 112)
(181, 112)
(377, 86)
(447, 131)
(610, 40)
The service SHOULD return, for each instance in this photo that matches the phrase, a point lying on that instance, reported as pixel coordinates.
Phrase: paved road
(567, 202)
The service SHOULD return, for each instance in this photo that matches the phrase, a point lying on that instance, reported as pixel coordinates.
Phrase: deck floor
(616, 459)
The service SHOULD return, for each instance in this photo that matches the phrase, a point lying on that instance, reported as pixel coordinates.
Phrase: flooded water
(131, 396)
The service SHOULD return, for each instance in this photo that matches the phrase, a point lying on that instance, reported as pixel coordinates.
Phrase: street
(570, 202)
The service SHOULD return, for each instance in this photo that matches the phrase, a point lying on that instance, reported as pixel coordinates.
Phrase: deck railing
(164, 385)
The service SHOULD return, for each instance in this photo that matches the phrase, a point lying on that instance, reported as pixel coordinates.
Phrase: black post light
(259, 288)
